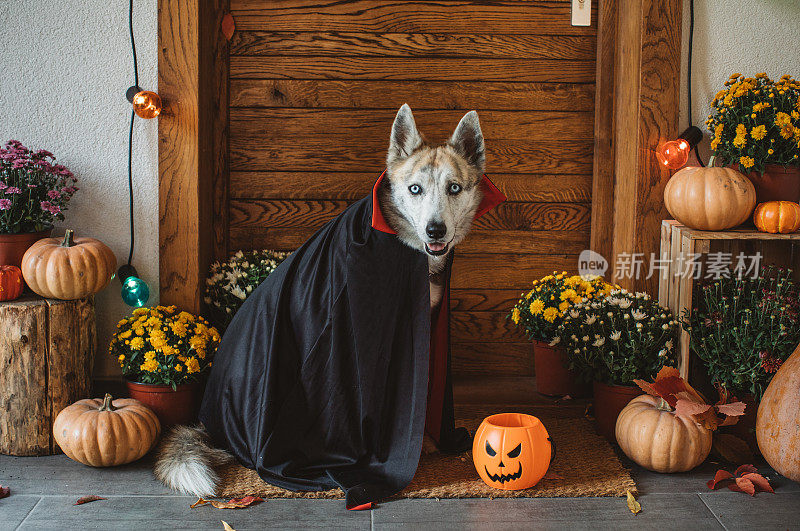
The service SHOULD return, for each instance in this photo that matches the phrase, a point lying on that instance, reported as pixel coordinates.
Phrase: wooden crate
(47, 350)
(676, 291)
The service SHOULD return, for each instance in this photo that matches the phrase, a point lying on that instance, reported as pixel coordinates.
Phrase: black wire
(689, 74)
(130, 184)
(130, 134)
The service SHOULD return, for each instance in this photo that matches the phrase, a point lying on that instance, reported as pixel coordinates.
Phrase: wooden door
(314, 86)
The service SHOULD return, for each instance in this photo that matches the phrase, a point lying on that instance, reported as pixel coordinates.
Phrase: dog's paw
(428, 446)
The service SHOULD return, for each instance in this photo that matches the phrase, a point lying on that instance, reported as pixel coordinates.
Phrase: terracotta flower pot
(13, 246)
(553, 378)
(778, 183)
(609, 401)
(172, 407)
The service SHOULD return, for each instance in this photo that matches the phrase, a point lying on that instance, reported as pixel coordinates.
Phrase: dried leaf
(731, 448)
(228, 26)
(668, 387)
(226, 526)
(198, 503)
(5, 492)
(688, 408)
(646, 387)
(667, 372)
(719, 477)
(87, 499)
(761, 483)
(746, 469)
(734, 409)
(743, 485)
(633, 505)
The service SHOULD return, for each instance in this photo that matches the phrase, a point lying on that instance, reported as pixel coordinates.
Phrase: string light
(146, 104)
(675, 153)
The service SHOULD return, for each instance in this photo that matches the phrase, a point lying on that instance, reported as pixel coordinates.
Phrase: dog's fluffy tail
(186, 461)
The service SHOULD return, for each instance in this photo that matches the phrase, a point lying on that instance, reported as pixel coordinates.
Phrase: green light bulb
(135, 292)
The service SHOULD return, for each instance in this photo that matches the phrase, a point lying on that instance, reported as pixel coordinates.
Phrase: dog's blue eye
(415, 189)
(454, 188)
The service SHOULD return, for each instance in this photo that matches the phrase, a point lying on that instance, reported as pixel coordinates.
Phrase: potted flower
(755, 123)
(539, 313)
(163, 353)
(229, 283)
(613, 341)
(742, 330)
(34, 192)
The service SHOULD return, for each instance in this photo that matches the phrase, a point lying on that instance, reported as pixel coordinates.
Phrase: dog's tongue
(436, 247)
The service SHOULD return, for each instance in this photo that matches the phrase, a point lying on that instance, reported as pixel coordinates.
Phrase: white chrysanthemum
(615, 335)
(590, 319)
(638, 314)
(599, 342)
(574, 314)
(585, 338)
(556, 340)
(238, 292)
(668, 345)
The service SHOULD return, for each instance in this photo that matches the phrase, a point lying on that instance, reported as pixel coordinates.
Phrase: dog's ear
(405, 138)
(467, 140)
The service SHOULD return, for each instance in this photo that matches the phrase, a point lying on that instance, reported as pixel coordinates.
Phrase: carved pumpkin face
(511, 451)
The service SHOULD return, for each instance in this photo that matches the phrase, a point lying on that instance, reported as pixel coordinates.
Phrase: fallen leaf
(237, 503)
(761, 483)
(731, 448)
(743, 485)
(5, 492)
(198, 503)
(87, 499)
(688, 408)
(226, 526)
(633, 505)
(746, 469)
(733, 409)
(228, 26)
(646, 387)
(719, 477)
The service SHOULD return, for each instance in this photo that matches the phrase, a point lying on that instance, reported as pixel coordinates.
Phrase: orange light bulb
(146, 104)
(674, 154)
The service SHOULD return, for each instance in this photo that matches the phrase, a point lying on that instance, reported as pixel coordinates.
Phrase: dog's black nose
(436, 230)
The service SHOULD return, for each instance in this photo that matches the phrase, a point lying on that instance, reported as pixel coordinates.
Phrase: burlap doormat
(585, 465)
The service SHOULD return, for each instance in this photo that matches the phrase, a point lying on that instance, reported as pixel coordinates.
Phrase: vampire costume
(333, 369)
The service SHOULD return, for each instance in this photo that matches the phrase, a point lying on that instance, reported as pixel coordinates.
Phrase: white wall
(65, 65)
(745, 36)
(64, 69)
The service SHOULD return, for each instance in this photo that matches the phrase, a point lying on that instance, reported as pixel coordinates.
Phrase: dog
(429, 197)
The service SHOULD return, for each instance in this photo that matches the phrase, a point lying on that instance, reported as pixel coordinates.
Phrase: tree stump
(47, 350)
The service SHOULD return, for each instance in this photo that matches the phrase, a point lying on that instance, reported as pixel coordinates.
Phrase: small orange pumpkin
(11, 284)
(102, 432)
(777, 217)
(68, 269)
(511, 451)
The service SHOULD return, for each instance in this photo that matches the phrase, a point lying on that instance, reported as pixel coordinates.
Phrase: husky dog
(429, 197)
(432, 192)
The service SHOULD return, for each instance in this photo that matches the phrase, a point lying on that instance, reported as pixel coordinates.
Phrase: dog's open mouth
(436, 249)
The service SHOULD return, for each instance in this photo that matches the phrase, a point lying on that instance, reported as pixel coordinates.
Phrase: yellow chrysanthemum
(550, 314)
(126, 334)
(139, 331)
(137, 343)
(149, 366)
(759, 132)
(563, 306)
(192, 365)
(178, 328)
(537, 306)
(121, 358)
(568, 294)
(515, 315)
(150, 355)
(747, 162)
(178, 367)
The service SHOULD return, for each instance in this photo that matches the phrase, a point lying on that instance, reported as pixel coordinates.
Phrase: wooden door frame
(636, 93)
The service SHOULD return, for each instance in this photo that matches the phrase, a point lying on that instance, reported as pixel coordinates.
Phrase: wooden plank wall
(314, 86)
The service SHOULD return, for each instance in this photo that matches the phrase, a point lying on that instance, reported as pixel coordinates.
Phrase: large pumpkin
(71, 268)
(11, 285)
(778, 421)
(710, 198)
(102, 432)
(777, 217)
(650, 433)
(511, 451)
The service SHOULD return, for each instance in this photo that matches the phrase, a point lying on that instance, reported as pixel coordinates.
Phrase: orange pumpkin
(710, 198)
(102, 432)
(778, 421)
(777, 217)
(511, 451)
(68, 269)
(652, 435)
(11, 285)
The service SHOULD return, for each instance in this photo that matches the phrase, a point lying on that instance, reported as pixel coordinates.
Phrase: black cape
(333, 369)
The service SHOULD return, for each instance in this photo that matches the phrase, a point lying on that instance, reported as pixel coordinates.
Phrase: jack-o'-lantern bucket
(511, 451)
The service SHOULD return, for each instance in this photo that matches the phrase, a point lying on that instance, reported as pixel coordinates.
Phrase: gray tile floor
(44, 489)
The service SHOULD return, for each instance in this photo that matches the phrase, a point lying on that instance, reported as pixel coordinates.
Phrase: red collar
(492, 196)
